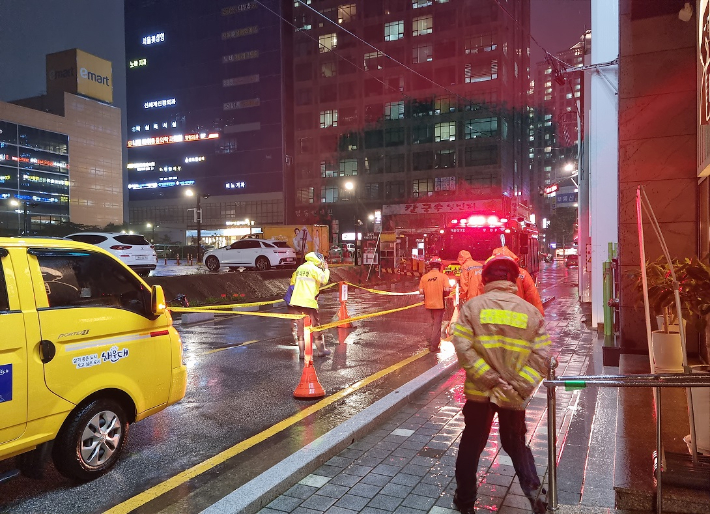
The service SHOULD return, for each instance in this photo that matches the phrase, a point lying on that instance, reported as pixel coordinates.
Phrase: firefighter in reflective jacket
(526, 285)
(502, 345)
(470, 278)
(307, 280)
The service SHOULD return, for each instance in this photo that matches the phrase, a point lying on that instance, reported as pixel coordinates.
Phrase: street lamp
(15, 202)
(350, 186)
(153, 227)
(198, 220)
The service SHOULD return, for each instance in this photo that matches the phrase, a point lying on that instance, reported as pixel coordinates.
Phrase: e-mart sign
(75, 71)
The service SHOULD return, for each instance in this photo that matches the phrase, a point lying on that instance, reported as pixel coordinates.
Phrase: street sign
(551, 189)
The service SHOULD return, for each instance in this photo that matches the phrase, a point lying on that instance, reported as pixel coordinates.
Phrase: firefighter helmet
(500, 262)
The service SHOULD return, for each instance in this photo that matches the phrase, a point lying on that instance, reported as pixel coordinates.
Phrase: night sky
(29, 29)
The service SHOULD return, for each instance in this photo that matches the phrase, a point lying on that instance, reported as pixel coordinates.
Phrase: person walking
(470, 284)
(501, 343)
(527, 290)
(434, 285)
(307, 280)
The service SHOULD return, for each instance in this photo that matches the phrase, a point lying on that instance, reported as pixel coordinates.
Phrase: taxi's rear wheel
(212, 263)
(262, 263)
(91, 440)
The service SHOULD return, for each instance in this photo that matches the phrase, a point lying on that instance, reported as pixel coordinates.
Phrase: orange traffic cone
(309, 387)
(343, 312)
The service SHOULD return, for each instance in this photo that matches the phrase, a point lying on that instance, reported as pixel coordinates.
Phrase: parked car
(132, 249)
(572, 260)
(261, 254)
(109, 356)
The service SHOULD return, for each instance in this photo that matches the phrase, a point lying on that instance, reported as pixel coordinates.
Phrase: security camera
(686, 12)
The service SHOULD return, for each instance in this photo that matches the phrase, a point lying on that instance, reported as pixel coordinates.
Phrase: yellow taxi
(87, 348)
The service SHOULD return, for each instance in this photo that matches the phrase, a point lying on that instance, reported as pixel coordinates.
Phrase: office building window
(422, 134)
(329, 118)
(349, 141)
(479, 181)
(482, 127)
(374, 139)
(445, 158)
(304, 121)
(373, 191)
(444, 104)
(328, 194)
(422, 25)
(348, 167)
(328, 69)
(480, 43)
(422, 53)
(394, 189)
(416, 4)
(373, 113)
(329, 93)
(394, 136)
(480, 72)
(303, 97)
(394, 163)
(481, 155)
(373, 61)
(329, 169)
(445, 184)
(305, 145)
(394, 110)
(346, 13)
(394, 84)
(445, 131)
(303, 72)
(422, 161)
(327, 42)
(374, 164)
(305, 195)
(423, 187)
(394, 30)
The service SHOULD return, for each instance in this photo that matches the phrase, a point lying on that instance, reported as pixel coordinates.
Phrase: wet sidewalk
(406, 465)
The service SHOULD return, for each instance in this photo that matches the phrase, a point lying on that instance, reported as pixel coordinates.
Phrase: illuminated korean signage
(159, 103)
(141, 166)
(198, 158)
(241, 104)
(137, 63)
(235, 185)
(234, 9)
(242, 56)
(246, 31)
(154, 38)
(240, 81)
(156, 185)
(32, 160)
(551, 189)
(176, 138)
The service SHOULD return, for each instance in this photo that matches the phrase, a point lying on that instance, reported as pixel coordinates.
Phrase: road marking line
(190, 473)
(230, 347)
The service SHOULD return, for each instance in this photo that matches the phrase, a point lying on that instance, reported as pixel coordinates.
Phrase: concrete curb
(263, 489)
(189, 318)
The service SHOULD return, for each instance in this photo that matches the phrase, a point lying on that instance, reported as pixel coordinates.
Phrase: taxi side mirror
(157, 300)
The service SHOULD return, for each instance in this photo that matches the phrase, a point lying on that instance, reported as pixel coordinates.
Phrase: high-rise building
(409, 101)
(557, 98)
(208, 110)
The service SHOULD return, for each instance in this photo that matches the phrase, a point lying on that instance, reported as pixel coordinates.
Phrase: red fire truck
(480, 233)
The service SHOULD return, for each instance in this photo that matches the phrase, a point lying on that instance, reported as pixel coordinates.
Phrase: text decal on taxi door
(5, 382)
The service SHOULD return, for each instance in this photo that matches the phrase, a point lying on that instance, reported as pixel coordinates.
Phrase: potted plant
(693, 277)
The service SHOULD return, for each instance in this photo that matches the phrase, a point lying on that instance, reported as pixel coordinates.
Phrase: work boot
(322, 350)
(539, 506)
(294, 333)
(463, 509)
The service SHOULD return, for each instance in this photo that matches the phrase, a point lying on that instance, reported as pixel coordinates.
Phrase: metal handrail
(579, 382)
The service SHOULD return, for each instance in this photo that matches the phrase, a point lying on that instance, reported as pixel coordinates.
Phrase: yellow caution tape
(241, 313)
(378, 291)
(231, 305)
(362, 316)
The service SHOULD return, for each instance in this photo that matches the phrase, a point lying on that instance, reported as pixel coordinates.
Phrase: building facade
(404, 101)
(61, 153)
(557, 97)
(208, 111)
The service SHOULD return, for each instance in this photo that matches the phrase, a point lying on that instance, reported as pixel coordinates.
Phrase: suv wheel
(212, 263)
(91, 440)
(262, 263)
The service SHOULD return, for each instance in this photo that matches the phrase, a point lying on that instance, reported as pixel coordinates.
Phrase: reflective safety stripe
(480, 367)
(509, 343)
(541, 341)
(460, 330)
(530, 375)
(475, 392)
(503, 317)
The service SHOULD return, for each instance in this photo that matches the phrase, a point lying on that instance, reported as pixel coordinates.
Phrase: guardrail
(655, 381)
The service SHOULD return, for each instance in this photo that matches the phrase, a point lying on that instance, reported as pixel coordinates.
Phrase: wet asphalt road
(242, 372)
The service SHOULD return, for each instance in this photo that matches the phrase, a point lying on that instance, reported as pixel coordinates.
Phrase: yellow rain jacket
(307, 281)
(501, 342)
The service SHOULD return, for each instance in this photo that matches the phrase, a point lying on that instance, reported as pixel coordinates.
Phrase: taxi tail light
(120, 247)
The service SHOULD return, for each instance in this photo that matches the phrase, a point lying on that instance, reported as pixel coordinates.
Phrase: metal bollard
(552, 438)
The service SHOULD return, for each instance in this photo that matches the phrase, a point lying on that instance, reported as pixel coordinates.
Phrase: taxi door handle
(47, 351)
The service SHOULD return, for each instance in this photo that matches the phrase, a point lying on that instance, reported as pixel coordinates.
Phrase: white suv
(251, 253)
(132, 249)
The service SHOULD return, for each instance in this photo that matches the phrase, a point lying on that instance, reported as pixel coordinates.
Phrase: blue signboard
(566, 199)
(5, 382)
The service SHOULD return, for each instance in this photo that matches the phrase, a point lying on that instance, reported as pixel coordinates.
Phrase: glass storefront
(34, 176)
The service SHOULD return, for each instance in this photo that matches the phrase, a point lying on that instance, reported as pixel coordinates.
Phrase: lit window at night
(445, 131)
(394, 110)
(155, 38)
(422, 53)
(416, 4)
(394, 30)
(327, 42)
(328, 69)
(482, 127)
(329, 118)
(346, 13)
(373, 61)
(422, 25)
(480, 72)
